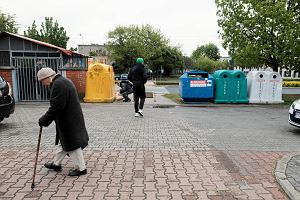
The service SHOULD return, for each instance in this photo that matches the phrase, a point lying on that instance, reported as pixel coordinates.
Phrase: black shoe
(50, 165)
(76, 172)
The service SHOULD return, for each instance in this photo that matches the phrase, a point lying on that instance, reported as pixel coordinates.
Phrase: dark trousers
(139, 96)
(125, 95)
(138, 103)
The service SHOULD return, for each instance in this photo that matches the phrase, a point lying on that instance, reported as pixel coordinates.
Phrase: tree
(209, 65)
(32, 32)
(247, 57)
(168, 59)
(209, 50)
(188, 62)
(266, 32)
(8, 23)
(73, 49)
(93, 53)
(50, 32)
(127, 43)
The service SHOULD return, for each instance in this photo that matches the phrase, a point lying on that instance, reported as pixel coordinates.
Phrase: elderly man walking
(66, 111)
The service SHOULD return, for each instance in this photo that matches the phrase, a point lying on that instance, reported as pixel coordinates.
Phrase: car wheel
(1, 118)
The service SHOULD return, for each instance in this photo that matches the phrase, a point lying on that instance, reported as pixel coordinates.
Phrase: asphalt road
(263, 128)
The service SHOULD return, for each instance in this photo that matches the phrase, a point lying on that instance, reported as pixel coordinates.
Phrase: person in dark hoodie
(138, 76)
(126, 89)
(66, 111)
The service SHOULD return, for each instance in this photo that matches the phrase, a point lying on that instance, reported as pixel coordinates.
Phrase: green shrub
(209, 65)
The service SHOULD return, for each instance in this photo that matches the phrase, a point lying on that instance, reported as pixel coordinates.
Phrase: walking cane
(36, 157)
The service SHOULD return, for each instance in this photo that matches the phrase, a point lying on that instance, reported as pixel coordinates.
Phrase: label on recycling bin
(200, 83)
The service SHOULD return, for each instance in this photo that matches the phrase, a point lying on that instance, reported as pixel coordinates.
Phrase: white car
(294, 113)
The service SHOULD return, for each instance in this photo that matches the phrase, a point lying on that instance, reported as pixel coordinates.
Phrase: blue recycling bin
(196, 86)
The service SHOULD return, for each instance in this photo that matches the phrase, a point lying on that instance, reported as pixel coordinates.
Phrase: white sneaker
(140, 112)
(137, 115)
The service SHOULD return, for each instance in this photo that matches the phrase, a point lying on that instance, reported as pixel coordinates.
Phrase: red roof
(65, 51)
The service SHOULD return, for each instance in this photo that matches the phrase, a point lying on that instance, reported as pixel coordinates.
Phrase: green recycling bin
(238, 93)
(223, 86)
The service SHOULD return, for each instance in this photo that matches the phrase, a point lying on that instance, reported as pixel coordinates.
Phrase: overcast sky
(189, 23)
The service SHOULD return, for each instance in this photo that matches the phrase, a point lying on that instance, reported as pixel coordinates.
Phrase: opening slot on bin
(197, 75)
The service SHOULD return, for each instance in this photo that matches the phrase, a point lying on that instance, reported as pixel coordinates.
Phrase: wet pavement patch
(222, 195)
(139, 174)
(192, 196)
(226, 162)
(34, 194)
(8, 154)
(15, 133)
(112, 159)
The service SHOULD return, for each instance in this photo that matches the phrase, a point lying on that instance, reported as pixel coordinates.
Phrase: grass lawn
(174, 97)
(167, 81)
(287, 98)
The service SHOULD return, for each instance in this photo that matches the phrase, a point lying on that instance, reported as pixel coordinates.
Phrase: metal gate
(28, 87)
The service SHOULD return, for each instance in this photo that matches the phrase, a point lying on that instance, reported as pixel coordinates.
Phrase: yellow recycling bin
(100, 83)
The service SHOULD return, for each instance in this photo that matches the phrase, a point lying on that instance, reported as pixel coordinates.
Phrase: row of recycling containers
(231, 86)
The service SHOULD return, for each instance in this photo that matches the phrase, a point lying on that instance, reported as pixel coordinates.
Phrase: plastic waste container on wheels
(274, 87)
(196, 86)
(222, 86)
(257, 87)
(100, 83)
(238, 93)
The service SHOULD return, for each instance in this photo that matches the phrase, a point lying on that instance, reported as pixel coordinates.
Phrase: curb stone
(280, 175)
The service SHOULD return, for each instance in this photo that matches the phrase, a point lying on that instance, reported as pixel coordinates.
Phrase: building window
(4, 58)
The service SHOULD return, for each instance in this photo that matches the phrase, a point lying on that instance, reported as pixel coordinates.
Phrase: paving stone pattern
(293, 172)
(160, 156)
(111, 127)
(144, 174)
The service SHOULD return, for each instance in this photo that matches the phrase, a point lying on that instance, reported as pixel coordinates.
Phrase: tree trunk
(274, 63)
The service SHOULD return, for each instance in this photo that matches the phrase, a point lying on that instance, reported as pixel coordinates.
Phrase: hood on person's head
(45, 72)
(140, 61)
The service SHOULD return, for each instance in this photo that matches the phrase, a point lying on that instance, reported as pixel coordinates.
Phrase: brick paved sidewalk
(144, 174)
